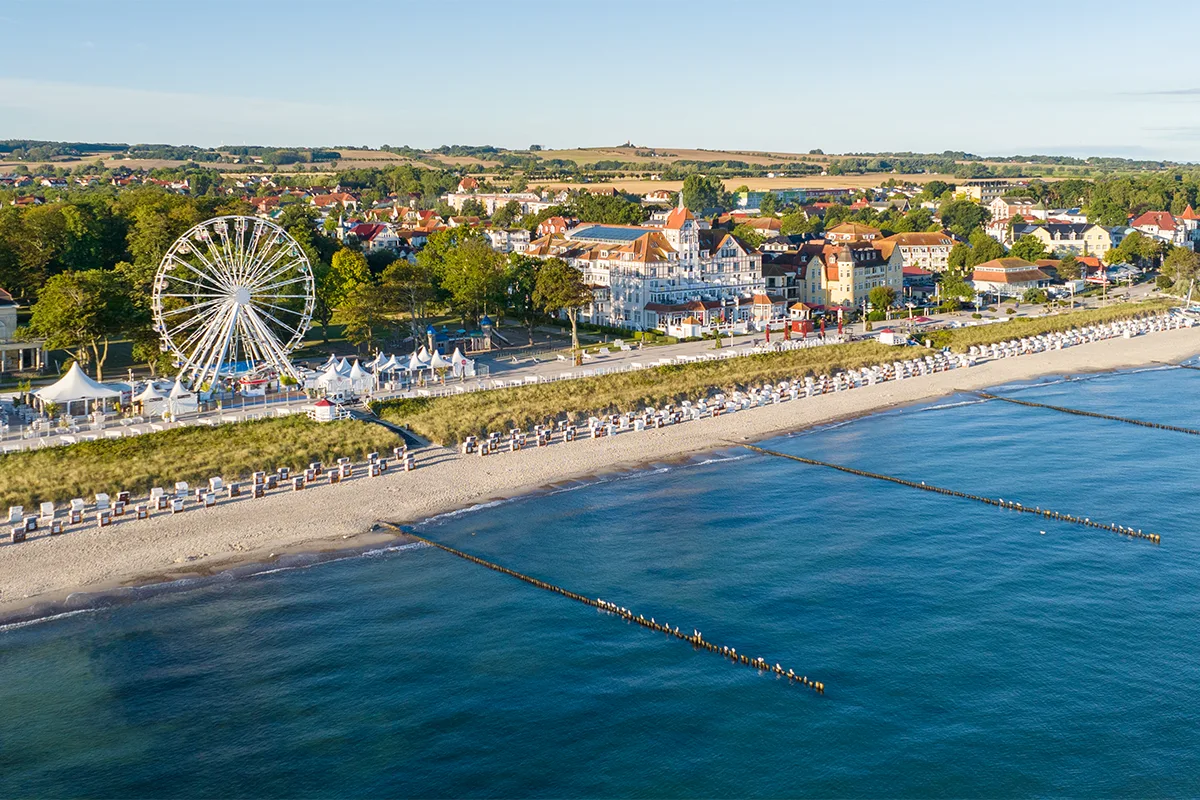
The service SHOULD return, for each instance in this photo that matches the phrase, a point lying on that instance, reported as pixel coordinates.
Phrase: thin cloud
(1164, 92)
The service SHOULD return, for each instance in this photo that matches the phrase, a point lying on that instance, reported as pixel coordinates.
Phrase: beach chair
(215, 484)
(47, 511)
(182, 489)
(158, 498)
(16, 515)
(102, 502)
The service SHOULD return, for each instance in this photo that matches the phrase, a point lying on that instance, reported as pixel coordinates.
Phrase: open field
(666, 155)
(644, 185)
(193, 454)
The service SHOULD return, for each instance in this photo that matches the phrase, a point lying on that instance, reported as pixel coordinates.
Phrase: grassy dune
(192, 454)
(960, 339)
(448, 420)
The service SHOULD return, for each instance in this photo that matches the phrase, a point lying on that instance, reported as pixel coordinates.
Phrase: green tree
(473, 274)
(984, 248)
(749, 235)
(410, 286)
(363, 311)
(881, 297)
(1035, 296)
(472, 208)
(960, 257)
(766, 206)
(507, 214)
(798, 222)
(1028, 247)
(963, 217)
(522, 284)
(560, 287)
(81, 312)
(347, 271)
(701, 192)
(1181, 267)
(954, 287)
(1069, 268)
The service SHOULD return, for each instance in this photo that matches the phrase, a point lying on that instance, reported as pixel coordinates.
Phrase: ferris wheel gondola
(233, 295)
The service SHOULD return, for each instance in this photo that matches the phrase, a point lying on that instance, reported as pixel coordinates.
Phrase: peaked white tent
(460, 364)
(374, 363)
(151, 398)
(332, 361)
(438, 361)
(391, 365)
(181, 400)
(76, 387)
(333, 381)
(423, 355)
(415, 364)
(360, 379)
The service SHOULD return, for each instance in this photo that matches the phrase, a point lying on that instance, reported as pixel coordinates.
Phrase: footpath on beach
(215, 530)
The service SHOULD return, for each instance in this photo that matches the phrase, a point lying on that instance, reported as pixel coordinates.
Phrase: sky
(861, 76)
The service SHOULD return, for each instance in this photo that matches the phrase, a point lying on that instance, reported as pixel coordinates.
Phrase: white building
(642, 277)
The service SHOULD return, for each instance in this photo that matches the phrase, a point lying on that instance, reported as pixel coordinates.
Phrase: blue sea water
(963, 651)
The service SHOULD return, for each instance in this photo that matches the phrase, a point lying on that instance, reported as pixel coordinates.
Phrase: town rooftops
(677, 218)
(1008, 270)
(608, 233)
(888, 244)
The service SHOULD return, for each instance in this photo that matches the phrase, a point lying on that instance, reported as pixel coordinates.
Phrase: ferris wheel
(232, 295)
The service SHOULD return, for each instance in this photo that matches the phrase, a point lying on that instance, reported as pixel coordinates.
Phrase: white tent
(415, 364)
(438, 361)
(391, 365)
(149, 394)
(333, 381)
(360, 379)
(374, 363)
(76, 387)
(181, 401)
(423, 355)
(343, 367)
(331, 362)
(459, 363)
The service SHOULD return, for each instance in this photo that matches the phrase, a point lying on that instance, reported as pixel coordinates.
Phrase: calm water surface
(964, 652)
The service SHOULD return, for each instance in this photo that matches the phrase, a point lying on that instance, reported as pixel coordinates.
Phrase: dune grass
(447, 420)
(960, 339)
(192, 454)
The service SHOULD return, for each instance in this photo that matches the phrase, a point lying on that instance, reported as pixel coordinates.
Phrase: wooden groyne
(694, 638)
(991, 501)
(1082, 413)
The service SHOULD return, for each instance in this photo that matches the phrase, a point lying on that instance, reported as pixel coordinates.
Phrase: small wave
(941, 406)
(468, 510)
(718, 460)
(12, 626)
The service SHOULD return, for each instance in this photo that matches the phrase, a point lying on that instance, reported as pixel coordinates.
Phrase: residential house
(1026, 207)
(1183, 231)
(1008, 277)
(468, 185)
(377, 236)
(926, 250)
(327, 202)
(851, 270)
(853, 232)
(765, 226)
(985, 190)
(556, 224)
(508, 240)
(529, 202)
(1070, 237)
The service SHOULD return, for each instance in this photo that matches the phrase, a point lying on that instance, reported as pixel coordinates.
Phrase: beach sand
(39, 574)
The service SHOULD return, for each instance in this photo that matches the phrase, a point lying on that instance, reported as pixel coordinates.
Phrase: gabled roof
(1163, 220)
(677, 218)
(1189, 213)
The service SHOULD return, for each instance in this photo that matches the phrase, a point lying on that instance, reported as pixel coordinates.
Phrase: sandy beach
(37, 574)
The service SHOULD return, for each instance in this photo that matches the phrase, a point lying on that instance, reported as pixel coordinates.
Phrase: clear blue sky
(996, 78)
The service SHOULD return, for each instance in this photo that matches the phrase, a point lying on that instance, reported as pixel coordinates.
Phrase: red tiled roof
(677, 217)
(1163, 220)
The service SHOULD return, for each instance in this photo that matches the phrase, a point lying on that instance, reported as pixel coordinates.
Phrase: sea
(965, 649)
